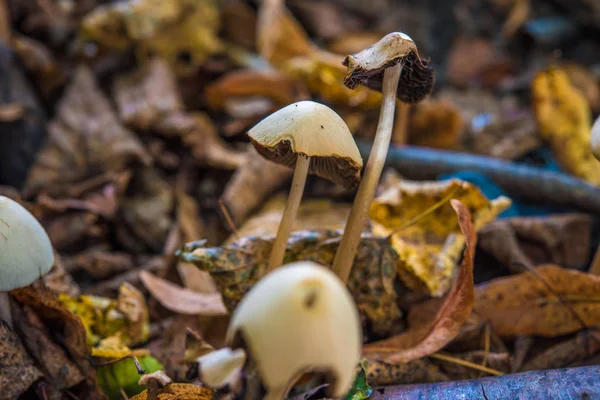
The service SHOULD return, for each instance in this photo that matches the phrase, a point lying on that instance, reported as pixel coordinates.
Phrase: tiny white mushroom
(221, 367)
(296, 319)
(25, 251)
(314, 139)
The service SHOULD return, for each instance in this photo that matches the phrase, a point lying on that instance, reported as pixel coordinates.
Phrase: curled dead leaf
(433, 335)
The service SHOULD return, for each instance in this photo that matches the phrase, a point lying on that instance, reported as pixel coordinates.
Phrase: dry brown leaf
(179, 391)
(381, 373)
(50, 357)
(85, 139)
(435, 123)
(312, 215)
(17, 368)
(430, 337)
(429, 249)
(523, 305)
(99, 263)
(278, 89)
(564, 119)
(148, 99)
(181, 300)
(249, 186)
(557, 239)
(584, 345)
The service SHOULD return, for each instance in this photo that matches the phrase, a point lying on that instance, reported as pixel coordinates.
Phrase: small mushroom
(314, 139)
(299, 318)
(393, 66)
(25, 251)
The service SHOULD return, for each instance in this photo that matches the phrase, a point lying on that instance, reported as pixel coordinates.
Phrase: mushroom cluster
(299, 318)
(25, 252)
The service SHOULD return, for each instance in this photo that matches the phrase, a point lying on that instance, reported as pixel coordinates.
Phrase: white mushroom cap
(368, 66)
(25, 249)
(314, 130)
(299, 318)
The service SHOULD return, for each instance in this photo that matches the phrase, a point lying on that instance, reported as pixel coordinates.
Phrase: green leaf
(123, 374)
(360, 389)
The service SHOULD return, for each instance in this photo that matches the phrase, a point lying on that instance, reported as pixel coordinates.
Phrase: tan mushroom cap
(367, 67)
(299, 318)
(314, 130)
(25, 250)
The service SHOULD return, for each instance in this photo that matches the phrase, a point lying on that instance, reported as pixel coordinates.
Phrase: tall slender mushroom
(314, 139)
(393, 66)
(297, 319)
(25, 251)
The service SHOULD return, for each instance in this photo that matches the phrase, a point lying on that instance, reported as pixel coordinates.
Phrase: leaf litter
(162, 217)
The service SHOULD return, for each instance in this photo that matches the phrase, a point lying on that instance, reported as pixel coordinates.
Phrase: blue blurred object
(550, 31)
(540, 158)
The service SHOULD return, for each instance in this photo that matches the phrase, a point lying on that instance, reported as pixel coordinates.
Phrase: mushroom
(393, 66)
(25, 251)
(299, 318)
(314, 139)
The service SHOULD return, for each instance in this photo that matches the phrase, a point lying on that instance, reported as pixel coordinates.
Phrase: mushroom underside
(341, 170)
(416, 79)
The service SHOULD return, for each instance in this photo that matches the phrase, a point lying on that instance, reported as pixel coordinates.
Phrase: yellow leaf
(430, 249)
(323, 73)
(179, 391)
(564, 119)
(112, 325)
(184, 32)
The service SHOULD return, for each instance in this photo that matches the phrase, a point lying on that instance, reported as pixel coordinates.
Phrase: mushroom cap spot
(314, 130)
(25, 250)
(299, 318)
(368, 66)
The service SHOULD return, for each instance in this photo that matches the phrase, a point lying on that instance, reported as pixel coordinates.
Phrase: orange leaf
(524, 305)
(181, 300)
(427, 338)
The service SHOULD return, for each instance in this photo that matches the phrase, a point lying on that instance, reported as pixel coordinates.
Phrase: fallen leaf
(181, 300)
(149, 99)
(131, 303)
(435, 123)
(179, 391)
(183, 32)
(564, 120)
(381, 373)
(312, 214)
(279, 89)
(99, 263)
(236, 267)
(61, 371)
(17, 369)
(249, 186)
(85, 139)
(430, 337)
(429, 249)
(557, 239)
(523, 305)
(584, 345)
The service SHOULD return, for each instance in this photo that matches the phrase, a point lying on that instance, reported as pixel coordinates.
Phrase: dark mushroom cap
(367, 67)
(313, 130)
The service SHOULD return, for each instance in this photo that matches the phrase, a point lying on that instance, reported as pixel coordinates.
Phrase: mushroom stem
(344, 257)
(289, 215)
(5, 313)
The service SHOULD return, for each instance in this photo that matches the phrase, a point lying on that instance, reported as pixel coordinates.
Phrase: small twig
(465, 363)
(152, 390)
(123, 394)
(228, 218)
